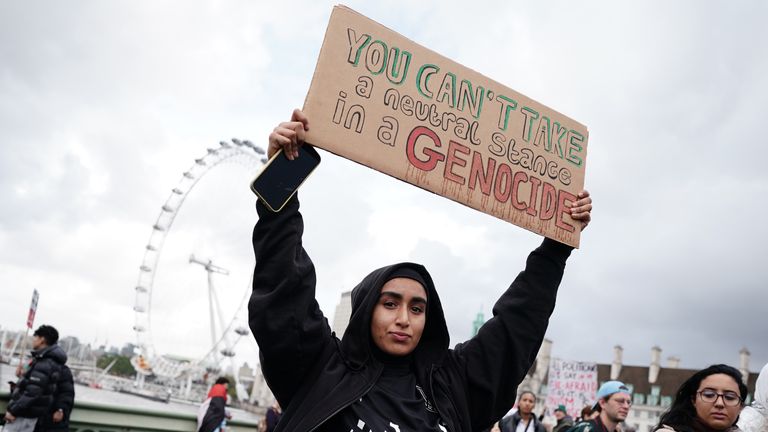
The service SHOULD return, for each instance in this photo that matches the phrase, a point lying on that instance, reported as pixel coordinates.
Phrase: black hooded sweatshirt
(315, 376)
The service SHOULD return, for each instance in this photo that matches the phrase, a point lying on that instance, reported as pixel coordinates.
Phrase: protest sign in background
(386, 102)
(571, 383)
(32, 309)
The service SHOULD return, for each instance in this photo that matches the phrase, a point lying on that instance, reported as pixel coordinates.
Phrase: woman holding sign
(393, 369)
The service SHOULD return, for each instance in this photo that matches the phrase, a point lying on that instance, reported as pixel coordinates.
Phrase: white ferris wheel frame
(149, 361)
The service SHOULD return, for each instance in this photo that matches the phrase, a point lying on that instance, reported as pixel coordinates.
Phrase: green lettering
(448, 89)
(507, 106)
(475, 98)
(575, 143)
(356, 45)
(422, 79)
(530, 116)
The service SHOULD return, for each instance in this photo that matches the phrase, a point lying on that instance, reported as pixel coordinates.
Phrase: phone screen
(281, 177)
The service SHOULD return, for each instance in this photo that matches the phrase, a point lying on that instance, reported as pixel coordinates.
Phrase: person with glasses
(709, 401)
(613, 402)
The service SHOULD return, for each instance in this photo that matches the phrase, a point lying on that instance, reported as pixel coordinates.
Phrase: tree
(122, 366)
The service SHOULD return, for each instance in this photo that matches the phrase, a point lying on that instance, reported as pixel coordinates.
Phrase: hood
(356, 343)
(54, 352)
(761, 387)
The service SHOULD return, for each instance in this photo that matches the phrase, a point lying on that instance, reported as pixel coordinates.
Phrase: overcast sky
(103, 106)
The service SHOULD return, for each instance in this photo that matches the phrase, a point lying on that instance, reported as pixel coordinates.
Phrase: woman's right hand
(289, 135)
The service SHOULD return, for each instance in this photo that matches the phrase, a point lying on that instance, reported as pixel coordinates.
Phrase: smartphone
(281, 177)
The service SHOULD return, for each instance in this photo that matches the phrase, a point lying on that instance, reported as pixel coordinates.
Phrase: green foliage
(121, 368)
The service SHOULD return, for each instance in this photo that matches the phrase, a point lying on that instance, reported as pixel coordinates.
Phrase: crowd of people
(711, 400)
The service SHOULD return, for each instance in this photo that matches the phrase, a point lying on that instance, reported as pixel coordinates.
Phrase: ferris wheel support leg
(240, 393)
(227, 345)
(13, 350)
(139, 380)
(211, 297)
(2, 344)
(188, 388)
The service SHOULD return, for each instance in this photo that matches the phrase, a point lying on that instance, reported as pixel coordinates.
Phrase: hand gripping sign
(386, 102)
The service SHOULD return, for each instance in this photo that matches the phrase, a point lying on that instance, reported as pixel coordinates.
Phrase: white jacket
(754, 418)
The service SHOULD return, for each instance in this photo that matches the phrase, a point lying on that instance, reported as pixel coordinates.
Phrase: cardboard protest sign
(386, 102)
(32, 309)
(571, 383)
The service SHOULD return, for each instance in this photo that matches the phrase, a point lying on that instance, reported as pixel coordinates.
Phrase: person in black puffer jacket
(57, 418)
(35, 390)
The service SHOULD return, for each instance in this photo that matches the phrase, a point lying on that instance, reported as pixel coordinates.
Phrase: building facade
(342, 314)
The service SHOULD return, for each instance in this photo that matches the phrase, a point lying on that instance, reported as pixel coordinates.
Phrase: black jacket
(314, 375)
(214, 415)
(563, 424)
(33, 395)
(594, 425)
(63, 399)
(273, 419)
(509, 424)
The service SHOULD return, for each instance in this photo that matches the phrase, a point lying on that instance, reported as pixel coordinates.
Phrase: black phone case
(281, 177)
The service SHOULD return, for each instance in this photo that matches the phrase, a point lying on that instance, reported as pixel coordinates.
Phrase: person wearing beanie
(564, 421)
(392, 370)
(613, 402)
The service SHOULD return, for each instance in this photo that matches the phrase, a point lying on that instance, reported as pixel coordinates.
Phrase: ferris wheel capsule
(141, 365)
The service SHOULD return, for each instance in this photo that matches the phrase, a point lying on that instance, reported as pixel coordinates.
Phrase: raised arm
(496, 360)
(283, 314)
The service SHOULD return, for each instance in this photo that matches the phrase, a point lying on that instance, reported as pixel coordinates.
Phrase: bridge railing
(94, 417)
